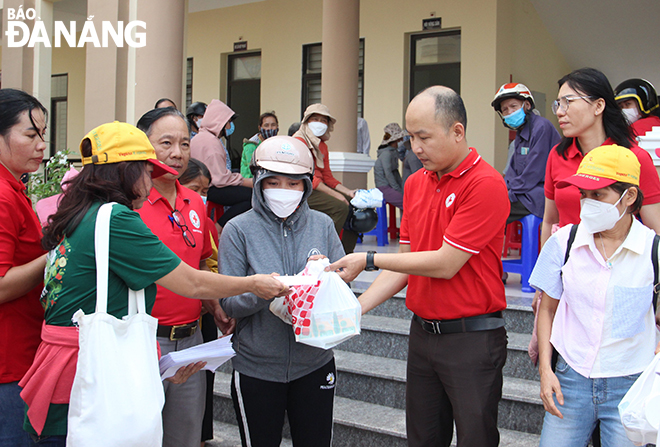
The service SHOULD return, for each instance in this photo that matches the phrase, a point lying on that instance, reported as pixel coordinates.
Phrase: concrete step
(388, 337)
(382, 381)
(518, 314)
(356, 424)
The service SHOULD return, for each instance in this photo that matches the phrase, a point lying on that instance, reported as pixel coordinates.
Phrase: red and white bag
(323, 314)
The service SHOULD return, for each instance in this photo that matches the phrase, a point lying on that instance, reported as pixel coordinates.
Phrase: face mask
(515, 119)
(204, 199)
(282, 202)
(267, 133)
(599, 216)
(198, 123)
(230, 130)
(318, 129)
(631, 115)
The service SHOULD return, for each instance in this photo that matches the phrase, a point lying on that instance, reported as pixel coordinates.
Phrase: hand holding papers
(214, 353)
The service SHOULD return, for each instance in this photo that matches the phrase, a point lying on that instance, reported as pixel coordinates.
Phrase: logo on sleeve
(450, 199)
(194, 219)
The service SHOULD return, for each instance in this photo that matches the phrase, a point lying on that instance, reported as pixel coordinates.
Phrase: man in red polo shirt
(177, 216)
(449, 257)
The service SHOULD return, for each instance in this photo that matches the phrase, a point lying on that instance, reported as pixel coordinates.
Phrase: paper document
(298, 280)
(214, 353)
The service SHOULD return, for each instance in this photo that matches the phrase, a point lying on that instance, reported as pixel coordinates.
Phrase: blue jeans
(585, 402)
(12, 413)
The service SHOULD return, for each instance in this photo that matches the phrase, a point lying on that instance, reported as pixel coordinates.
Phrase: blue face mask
(230, 130)
(516, 119)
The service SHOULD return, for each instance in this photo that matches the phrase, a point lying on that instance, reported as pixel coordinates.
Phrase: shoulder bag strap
(101, 253)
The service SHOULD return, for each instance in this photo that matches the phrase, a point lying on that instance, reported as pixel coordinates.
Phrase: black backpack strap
(654, 259)
(569, 244)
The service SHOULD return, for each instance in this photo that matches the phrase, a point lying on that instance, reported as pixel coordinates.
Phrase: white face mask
(599, 216)
(631, 114)
(282, 202)
(317, 128)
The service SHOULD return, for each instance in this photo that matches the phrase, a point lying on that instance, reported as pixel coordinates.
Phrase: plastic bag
(367, 198)
(640, 407)
(326, 313)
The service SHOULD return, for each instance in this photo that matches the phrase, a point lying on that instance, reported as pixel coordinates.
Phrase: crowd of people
(597, 192)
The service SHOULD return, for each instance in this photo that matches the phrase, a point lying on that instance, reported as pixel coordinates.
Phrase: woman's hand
(184, 373)
(268, 286)
(657, 348)
(316, 257)
(549, 387)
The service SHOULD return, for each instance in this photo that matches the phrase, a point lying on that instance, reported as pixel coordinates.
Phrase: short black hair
(146, 121)
(621, 187)
(449, 106)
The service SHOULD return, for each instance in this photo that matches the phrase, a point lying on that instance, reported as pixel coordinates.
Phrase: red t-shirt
(172, 309)
(20, 243)
(466, 208)
(323, 174)
(567, 200)
(644, 125)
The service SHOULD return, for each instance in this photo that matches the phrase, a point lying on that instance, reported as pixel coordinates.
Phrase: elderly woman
(386, 170)
(329, 195)
(22, 260)
(597, 311)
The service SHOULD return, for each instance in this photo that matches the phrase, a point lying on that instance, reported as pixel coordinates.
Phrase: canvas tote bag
(117, 395)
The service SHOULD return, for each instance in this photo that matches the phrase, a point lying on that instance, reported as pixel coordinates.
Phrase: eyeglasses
(180, 221)
(562, 103)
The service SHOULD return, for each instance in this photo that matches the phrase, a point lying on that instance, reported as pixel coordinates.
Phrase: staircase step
(356, 423)
(382, 381)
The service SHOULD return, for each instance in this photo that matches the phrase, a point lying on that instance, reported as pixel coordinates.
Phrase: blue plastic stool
(528, 253)
(382, 238)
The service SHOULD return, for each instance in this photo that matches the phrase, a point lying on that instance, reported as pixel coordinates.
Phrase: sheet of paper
(214, 353)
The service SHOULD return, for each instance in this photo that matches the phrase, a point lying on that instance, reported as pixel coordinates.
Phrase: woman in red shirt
(589, 117)
(22, 259)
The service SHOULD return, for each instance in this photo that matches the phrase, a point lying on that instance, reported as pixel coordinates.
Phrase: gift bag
(117, 395)
(326, 313)
(640, 407)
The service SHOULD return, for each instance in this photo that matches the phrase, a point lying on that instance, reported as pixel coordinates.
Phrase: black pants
(518, 211)
(237, 198)
(454, 377)
(260, 406)
(209, 333)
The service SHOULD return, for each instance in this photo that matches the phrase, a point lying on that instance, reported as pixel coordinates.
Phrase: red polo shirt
(567, 199)
(644, 125)
(467, 209)
(20, 243)
(172, 309)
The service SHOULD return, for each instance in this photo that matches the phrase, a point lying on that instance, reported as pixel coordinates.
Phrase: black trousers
(237, 198)
(454, 377)
(518, 211)
(308, 402)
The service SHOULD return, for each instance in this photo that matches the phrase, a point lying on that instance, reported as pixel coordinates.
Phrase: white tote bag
(640, 407)
(117, 395)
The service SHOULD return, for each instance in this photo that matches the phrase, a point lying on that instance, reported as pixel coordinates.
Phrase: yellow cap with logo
(116, 142)
(604, 166)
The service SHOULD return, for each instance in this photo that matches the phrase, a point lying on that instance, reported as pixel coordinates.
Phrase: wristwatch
(370, 262)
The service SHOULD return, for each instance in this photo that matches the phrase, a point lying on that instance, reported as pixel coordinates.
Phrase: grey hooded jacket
(260, 242)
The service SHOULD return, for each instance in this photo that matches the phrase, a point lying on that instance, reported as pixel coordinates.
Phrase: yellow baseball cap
(604, 166)
(116, 142)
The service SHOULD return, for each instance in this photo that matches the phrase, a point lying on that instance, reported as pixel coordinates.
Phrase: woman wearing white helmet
(274, 374)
